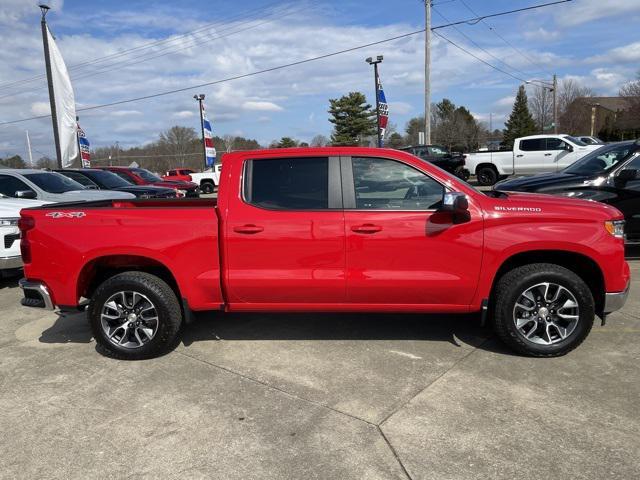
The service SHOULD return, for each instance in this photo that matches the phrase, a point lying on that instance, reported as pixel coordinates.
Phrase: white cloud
(261, 106)
(626, 54)
(400, 108)
(541, 34)
(577, 13)
(41, 108)
(184, 114)
(125, 113)
(505, 101)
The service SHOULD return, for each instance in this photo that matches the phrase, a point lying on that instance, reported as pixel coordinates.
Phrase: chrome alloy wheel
(129, 319)
(546, 313)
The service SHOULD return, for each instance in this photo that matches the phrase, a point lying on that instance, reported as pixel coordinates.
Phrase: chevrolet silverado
(326, 230)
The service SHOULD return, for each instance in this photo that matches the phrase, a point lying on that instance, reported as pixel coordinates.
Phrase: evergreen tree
(353, 119)
(520, 123)
(284, 142)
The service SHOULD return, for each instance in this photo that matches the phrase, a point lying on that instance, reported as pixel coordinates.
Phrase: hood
(10, 207)
(531, 205)
(90, 195)
(541, 182)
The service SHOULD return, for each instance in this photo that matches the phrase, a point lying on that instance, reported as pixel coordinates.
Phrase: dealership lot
(317, 396)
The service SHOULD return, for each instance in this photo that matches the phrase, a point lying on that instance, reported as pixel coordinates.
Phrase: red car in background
(181, 174)
(141, 176)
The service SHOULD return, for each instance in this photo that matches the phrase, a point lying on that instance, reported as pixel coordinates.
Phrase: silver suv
(51, 186)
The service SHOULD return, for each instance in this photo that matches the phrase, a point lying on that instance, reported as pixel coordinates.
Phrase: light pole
(200, 99)
(375, 63)
(52, 99)
(553, 88)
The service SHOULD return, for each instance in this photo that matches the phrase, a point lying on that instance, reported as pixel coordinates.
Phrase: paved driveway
(317, 396)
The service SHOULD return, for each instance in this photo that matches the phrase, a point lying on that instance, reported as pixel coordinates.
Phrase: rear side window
(288, 183)
(533, 145)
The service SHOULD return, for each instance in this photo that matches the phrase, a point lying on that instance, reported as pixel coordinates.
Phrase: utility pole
(200, 99)
(555, 104)
(52, 99)
(78, 143)
(375, 63)
(117, 153)
(427, 72)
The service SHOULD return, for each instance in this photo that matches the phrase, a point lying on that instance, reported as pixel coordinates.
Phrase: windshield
(54, 182)
(147, 175)
(601, 160)
(575, 141)
(106, 179)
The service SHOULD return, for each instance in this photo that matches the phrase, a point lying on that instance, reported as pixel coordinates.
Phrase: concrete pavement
(317, 396)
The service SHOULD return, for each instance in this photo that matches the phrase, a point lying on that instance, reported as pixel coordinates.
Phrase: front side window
(382, 184)
(438, 151)
(10, 185)
(576, 141)
(124, 176)
(81, 179)
(556, 144)
(601, 160)
(146, 175)
(53, 182)
(288, 183)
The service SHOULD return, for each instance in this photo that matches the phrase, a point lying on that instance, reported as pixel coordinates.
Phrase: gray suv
(51, 187)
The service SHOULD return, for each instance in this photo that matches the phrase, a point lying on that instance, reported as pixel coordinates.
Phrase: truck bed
(75, 243)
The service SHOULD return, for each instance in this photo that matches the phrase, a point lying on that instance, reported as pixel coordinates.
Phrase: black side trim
(348, 188)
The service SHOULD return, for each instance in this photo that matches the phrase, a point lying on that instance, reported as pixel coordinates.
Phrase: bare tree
(541, 106)
(179, 142)
(228, 141)
(319, 141)
(631, 91)
(573, 115)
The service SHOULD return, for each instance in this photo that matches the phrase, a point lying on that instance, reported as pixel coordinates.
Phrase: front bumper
(8, 263)
(36, 295)
(615, 301)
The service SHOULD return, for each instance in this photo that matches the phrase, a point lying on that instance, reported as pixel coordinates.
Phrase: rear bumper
(616, 300)
(7, 263)
(36, 295)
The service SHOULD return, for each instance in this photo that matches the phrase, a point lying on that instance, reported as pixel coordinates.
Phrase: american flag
(383, 109)
(210, 149)
(85, 153)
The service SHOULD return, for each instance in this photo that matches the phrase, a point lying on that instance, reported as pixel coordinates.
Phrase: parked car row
(208, 180)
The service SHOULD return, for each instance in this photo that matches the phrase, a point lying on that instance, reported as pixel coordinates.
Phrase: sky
(207, 41)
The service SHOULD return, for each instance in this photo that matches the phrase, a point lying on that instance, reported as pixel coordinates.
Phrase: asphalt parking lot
(317, 396)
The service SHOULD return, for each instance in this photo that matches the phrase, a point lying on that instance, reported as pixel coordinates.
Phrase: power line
(478, 58)
(508, 43)
(479, 46)
(149, 45)
(308, 60)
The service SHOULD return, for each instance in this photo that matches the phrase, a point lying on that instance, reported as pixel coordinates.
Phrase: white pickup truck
(530, 155)
(207, 180)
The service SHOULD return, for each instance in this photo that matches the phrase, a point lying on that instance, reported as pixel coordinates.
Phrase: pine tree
(353, 119)
(520, 123)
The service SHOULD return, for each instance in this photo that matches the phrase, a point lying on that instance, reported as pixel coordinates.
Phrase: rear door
(531, 156)
(628, 200)
(284, 235)
(400, 250)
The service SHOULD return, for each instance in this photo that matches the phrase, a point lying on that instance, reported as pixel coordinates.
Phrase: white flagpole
(29, 149)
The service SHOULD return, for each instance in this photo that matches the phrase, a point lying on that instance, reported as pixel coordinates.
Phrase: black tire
(167, 309)
(487, 175)
(207, 187)
(509, 289)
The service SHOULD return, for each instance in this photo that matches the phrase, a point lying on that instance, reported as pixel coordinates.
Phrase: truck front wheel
(135, 315)
(543, 310)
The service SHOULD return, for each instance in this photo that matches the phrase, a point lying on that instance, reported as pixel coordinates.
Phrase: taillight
(25, 224)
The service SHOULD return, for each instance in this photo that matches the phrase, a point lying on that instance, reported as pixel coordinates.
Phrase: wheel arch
(582, 265)
(101, 268)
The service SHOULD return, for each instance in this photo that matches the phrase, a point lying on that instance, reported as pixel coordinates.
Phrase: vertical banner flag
(209, 148)
(84, 148)
(65, 104)
(383, 109)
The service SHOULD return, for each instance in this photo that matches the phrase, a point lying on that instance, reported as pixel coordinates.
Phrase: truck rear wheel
(487, 175)
(135, 315)
(543, 310)
(207, 187)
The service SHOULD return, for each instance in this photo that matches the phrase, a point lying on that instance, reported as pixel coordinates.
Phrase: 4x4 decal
(66, 214)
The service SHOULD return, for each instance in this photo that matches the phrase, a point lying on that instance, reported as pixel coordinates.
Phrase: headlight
(9, 222)
(615, 228)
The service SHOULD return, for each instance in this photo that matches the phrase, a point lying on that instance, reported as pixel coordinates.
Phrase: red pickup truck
(327, 230)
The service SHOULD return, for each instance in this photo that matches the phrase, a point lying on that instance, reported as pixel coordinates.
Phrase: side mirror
(455, 202)
(568, 147)
(625, 176)
(28, 194)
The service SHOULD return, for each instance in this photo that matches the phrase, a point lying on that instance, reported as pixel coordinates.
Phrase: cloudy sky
(106, 46)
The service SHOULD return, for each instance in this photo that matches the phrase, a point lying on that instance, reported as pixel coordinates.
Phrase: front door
(400, 249)
(627, 200)
(284, 239)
